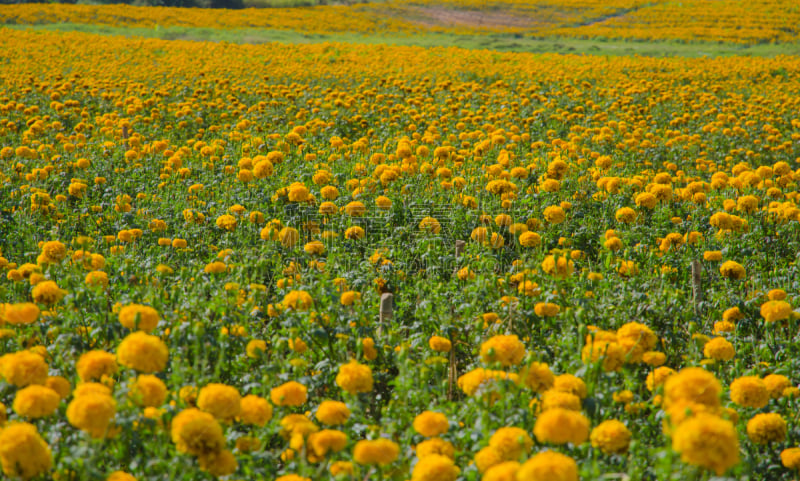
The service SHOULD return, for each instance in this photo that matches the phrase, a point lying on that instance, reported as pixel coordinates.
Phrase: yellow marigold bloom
(766, 428)
(354, 233)
(773, 311)
(435, 468)
(611, 354)
(790, 458)
(354, 377)
(561, 426)
(378, 451)
(36, 401)
(120, 476)
(486, 458)
(430, 424)
(332, 413)
(314, 248)
(554, 214)
(560, 268)
(721, 327)
(148, 391)
(196, 432)
(510, 443)
(530, 239)
(23, 452)
(636, 339)
(625, 215)
(694, 385)
(255, 410)
(47, 292)
(707, 441)
(23, 368)
(288, 236)
(53, 252)
(552, 399)
(712, 256)
(435, 446)
(537, 376)
(355, 209)
(93, 413)
(220, 400)
(732, 315)
(96, 279)
(507, 350)
(654, 358)
(137, 316)
(505, 471)
(60, 385)
(548, 466)
(776, 383)
(732, 270)
(256, 348)
(439, 344)
(348, 298)
(215, 267)
(322, 442)
(719, 349)
(570, 383)
(143, 352)
(91, 388)
(298, 192)
(611, 437)
(19, 314)
(749, 391)
(291, 393)
(94, 365)
(546, 309)
(298, 300)
(329, 192)
(227, 222)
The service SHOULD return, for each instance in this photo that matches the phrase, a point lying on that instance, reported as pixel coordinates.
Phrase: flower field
(734, 21)
(350, 262)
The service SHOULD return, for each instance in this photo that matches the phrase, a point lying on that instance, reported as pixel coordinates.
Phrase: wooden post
(697, 284)
(125, 136)
(385, 312)
(460, 244)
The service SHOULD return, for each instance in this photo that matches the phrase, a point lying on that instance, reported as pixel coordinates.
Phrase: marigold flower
(291, 393)
(143, 352)
(766, 428)
(707, 441)
(430, 424)
(137, 316)
(19, 314)
(732, 270)
(148, 391)
(298, 300)
(354, 377)
(435, 446)
(439, 344)
(548, 466)
(23, 452)
(435, 467)
(773, 311)
(93, 413)
(611, 437)
(561, 426)
(332, 413)
(749, 391)
(719, 349)
(47, 292)
(790, 458)
(378, 451)
(94, 365)
(23, 368)
(507, 350)
(36, 401)
(197, 432)
(255, 410)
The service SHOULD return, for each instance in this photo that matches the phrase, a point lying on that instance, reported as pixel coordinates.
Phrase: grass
(498, 42)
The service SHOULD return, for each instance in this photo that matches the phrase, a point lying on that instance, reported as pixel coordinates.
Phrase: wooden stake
(385, 312)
